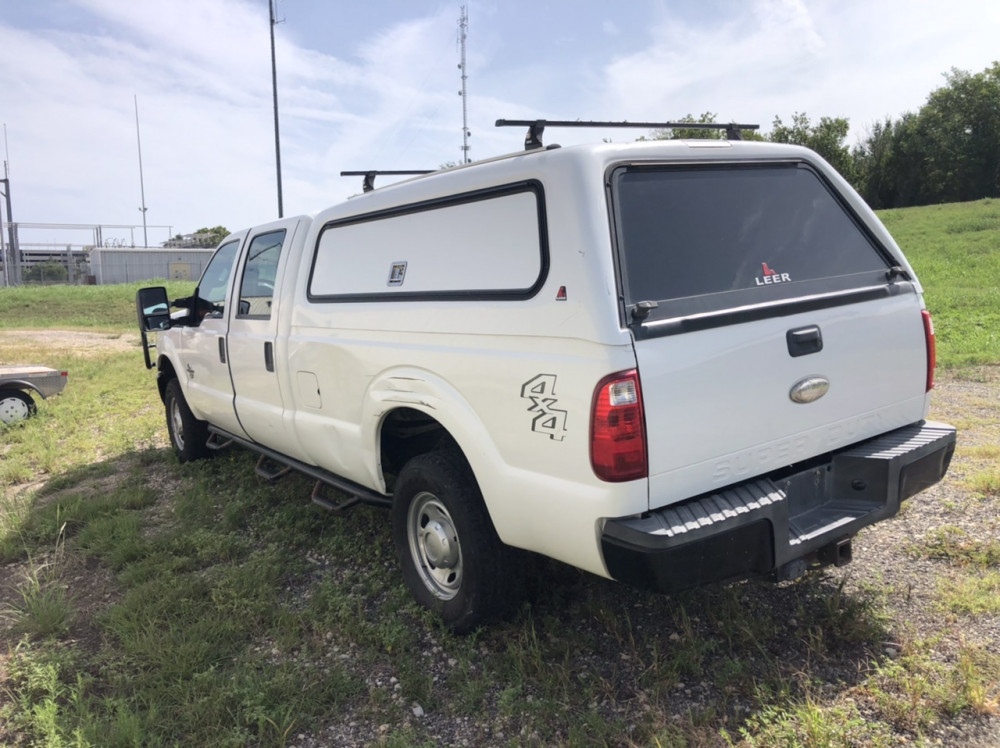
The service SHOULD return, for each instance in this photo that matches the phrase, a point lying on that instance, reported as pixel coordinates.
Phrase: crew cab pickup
(19, 383)
(669, 363)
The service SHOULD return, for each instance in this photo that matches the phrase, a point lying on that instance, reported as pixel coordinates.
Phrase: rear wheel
(15, 406)
(452, 559)
(188, 435)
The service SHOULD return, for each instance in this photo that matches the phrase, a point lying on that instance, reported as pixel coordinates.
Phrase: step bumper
(778, 525)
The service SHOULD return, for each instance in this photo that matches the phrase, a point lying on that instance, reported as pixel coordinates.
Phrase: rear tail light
(618, 429)
(931, 348)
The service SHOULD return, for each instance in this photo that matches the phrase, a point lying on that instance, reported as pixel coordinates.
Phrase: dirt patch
(74, 342)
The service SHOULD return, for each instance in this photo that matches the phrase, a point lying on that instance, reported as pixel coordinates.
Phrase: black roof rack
(368, 184)
(537, 126)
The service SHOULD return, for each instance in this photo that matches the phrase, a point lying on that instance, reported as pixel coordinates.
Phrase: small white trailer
(18, 383)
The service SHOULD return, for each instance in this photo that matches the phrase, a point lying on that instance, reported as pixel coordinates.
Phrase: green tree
(214, 235)
(827, 138)
(52, 271)
(695, 133)
(949, 151)
(962, 126)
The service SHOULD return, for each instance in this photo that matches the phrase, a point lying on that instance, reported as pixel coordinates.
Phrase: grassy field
(102, 308)
(955, 250)
(147, 603)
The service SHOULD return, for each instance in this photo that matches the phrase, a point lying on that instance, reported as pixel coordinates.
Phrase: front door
(207, 385)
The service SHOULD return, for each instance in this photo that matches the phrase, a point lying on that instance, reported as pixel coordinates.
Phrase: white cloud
(775, 57)
(201, 71)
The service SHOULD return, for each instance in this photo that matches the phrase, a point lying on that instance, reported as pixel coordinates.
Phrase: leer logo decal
(541, 391)
(771, 277)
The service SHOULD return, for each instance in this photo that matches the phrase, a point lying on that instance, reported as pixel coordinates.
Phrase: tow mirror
(153, 309)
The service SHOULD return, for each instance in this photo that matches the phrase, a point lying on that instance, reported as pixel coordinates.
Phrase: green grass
(77, 307)
(149, 603)
(955, 250)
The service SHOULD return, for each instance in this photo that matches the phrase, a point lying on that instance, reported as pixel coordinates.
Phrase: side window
(215, 280)
(257, 285)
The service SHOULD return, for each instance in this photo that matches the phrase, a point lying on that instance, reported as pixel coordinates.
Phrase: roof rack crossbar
(533, 139)
(368, 183)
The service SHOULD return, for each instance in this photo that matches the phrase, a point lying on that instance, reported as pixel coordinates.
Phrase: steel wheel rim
(434, 545)
(176, 424)
(13, 409)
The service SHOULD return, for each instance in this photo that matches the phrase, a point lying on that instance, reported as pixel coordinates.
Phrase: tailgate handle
(268, 356)
(804, 340)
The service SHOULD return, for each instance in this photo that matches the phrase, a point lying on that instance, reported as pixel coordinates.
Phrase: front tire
(15, 406)
(452, 560)
(188, 435)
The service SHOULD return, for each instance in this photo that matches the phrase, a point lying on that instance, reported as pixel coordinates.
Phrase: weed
(986, 483)
(966, 594)
(953, 544)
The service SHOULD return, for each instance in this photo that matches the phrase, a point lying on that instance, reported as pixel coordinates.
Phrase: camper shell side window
(486, 244)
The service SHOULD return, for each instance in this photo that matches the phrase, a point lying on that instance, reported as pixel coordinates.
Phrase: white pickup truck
(669, 363)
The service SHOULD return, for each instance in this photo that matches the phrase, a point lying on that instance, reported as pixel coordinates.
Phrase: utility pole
(274, 88)
(11, 261)
(463, 31)
(142, 186)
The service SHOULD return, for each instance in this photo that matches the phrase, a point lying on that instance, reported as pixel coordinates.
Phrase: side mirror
(153, 309)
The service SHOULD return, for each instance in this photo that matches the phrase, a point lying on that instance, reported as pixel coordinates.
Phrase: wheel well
(164, 374)
(405, 434)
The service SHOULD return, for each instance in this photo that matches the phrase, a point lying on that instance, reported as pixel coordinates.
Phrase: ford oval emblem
(809, 390)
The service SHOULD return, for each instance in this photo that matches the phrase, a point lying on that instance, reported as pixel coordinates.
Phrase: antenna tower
(463, 32)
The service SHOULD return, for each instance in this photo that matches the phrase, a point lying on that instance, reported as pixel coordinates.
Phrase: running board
(355, 491)
(331, 505)
(271, 470)
(217, 441)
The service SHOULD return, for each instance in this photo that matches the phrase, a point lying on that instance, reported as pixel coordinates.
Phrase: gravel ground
(883, 559)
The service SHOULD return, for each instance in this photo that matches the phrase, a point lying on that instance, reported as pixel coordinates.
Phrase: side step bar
(217, 441)
(358, 494)
(271, 470)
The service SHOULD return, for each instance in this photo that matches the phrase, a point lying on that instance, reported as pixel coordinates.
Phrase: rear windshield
(699, 239)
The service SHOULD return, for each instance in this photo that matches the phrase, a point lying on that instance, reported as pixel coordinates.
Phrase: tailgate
(770, 324)
(718, 402)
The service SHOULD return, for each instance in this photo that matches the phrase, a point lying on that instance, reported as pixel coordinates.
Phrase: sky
(373, 84)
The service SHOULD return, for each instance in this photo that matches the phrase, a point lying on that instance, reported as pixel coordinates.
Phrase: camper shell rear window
(698, 239)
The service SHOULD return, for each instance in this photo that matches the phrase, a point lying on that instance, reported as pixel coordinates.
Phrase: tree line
(948, 151)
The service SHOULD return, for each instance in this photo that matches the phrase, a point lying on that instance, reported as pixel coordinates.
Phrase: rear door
(768, 324)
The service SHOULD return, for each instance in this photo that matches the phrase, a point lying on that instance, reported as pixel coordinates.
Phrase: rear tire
(188, 435)
(15, 406)
(452, 560)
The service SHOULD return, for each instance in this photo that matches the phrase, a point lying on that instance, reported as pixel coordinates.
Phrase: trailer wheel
(452, 560)
(188, 435)
(15, 406)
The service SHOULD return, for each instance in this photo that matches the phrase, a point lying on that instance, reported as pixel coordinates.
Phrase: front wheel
(188, 435)
(452, 559)
(15, 406)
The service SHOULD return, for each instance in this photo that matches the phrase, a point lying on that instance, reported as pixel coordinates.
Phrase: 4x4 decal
(541, 391)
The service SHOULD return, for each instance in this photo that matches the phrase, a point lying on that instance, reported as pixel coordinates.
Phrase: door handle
(804, 340)
(222, 350)
(268, 356)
